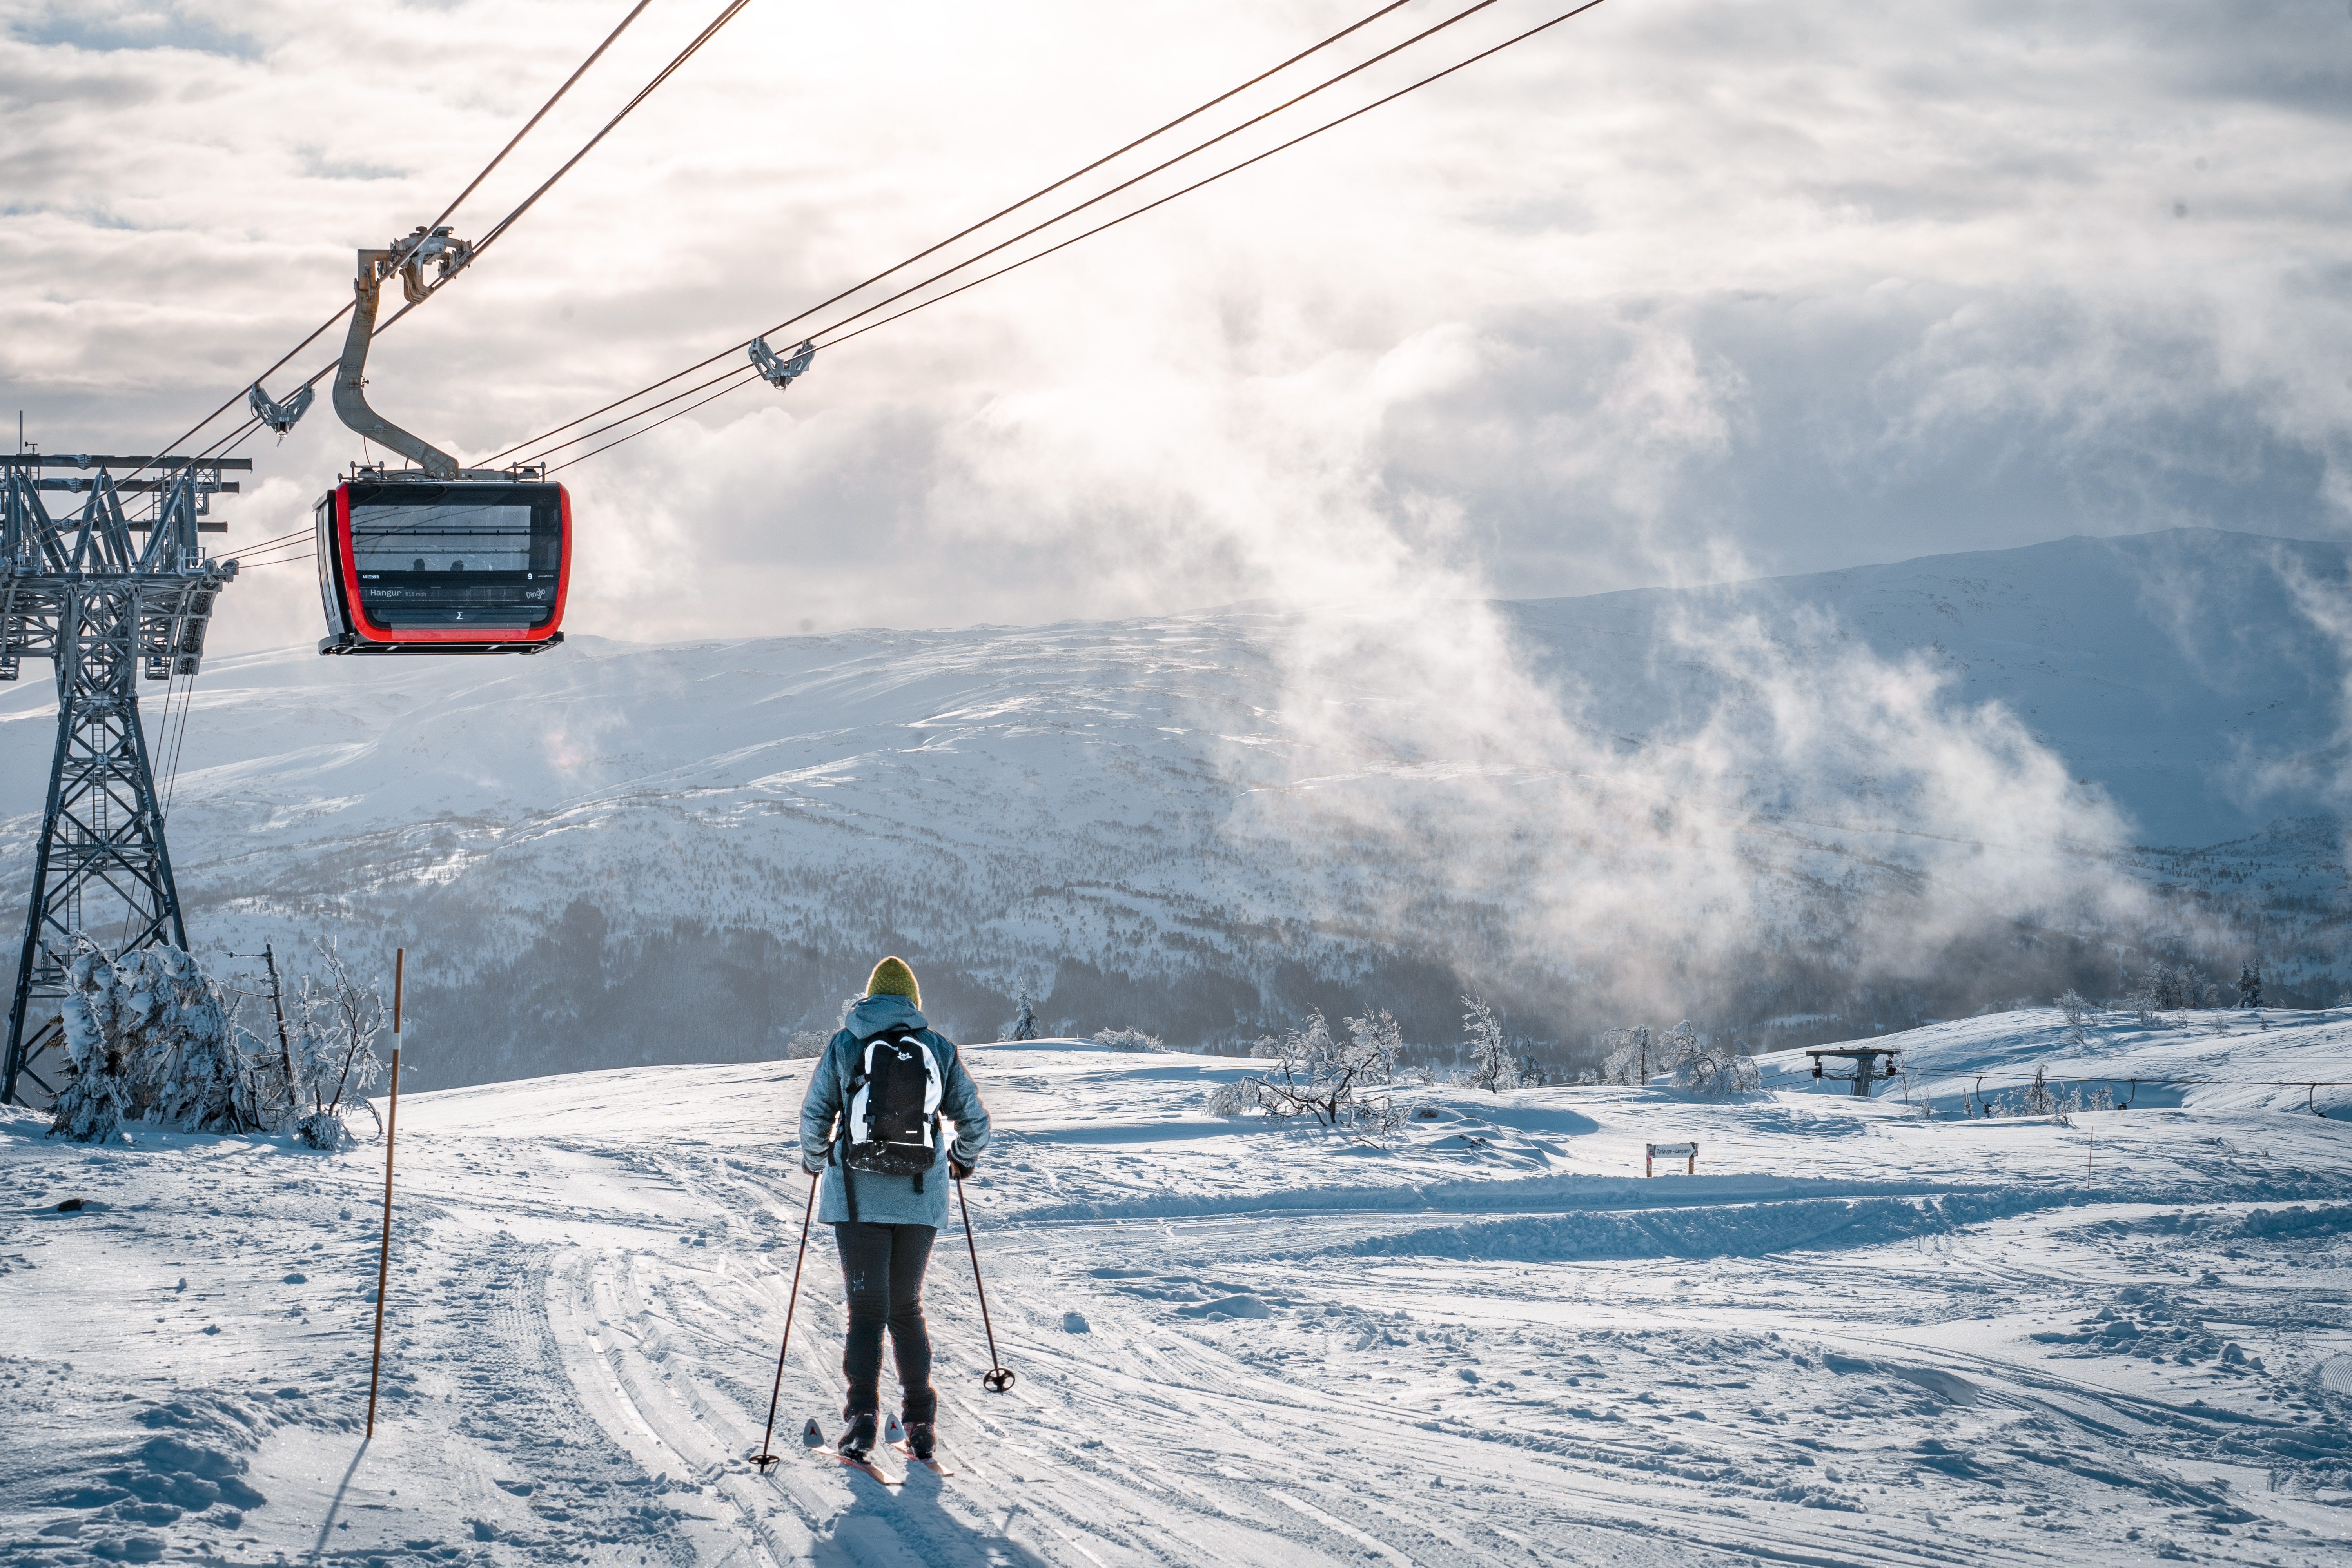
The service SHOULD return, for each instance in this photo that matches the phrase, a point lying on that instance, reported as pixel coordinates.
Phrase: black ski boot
(922, 1439)
(857, 1437)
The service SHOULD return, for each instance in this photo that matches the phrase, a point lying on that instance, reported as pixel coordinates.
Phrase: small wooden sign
(1685, 1151)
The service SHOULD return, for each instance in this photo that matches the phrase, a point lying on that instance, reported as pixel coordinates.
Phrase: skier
(886, 1078)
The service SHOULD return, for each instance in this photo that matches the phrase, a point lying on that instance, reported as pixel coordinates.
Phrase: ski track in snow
(1854, 1337)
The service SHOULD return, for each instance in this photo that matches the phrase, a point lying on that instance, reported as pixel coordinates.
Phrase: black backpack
(892, 1121)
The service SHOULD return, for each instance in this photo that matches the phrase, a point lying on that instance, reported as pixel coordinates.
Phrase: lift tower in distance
(106, 609)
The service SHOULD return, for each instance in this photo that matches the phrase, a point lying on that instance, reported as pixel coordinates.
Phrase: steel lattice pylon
(106, 612)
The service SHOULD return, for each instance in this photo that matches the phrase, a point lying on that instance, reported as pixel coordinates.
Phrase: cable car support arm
(406, 257)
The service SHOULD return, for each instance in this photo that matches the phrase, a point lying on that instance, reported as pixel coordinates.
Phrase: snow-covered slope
(1854, 1336)
(614, 853)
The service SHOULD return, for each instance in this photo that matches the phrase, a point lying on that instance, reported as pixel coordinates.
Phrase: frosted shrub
(1317, 1073)
(1128, 1040)
(2075, 1010)
(99, 1095)
(332, 1029)
(152, 1039)
(1714, 1067)
(1230, 1099)
(805, 1044)
(1492, 1068)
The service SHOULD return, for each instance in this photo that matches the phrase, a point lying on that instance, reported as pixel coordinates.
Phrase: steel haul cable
(1040, 192)
(557, 97)
(744, 376)
(707, 33)
(1198, 148)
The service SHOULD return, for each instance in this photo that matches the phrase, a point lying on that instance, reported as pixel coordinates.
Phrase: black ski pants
(882, 1266)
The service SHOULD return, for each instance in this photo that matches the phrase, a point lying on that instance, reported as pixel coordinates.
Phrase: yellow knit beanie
(892, 977)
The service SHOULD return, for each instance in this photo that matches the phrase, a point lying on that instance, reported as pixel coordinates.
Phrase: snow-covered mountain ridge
(614, 853)
(2198, 677)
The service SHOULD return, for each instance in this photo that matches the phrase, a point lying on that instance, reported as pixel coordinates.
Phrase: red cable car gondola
(418, 567)
(434, 559)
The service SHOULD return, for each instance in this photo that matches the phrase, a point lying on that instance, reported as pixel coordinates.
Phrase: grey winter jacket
(882, 1199)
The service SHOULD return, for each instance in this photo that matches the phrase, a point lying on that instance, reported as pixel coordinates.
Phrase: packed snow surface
(1854, 1336)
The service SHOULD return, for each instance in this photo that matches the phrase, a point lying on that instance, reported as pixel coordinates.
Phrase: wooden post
(277, 1006)
(384, 1250)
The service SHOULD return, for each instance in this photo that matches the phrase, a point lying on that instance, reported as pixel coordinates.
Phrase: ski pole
(766, 1457)
(999, 1377)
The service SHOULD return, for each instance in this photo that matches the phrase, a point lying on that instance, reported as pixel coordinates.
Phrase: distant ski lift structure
(778, 373)
(437, 558)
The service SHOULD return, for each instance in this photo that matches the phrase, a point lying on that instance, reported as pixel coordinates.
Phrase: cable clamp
(782, 373)
(409, 254)
(278, 416)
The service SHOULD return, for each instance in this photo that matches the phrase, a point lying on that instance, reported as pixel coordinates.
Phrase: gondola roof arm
(406, 257)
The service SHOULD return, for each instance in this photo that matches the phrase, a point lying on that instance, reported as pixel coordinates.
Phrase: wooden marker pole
(390, 1121)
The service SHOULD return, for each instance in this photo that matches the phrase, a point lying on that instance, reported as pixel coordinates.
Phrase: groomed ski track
(1236, 1344)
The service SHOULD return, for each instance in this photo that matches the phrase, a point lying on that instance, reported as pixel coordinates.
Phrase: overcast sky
(1677, 289)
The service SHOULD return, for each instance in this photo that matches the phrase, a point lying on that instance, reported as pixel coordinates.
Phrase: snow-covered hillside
(1754, 804)
(1855, 1336)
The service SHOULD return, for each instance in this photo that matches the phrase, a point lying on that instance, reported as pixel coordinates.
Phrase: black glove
(958, 1169)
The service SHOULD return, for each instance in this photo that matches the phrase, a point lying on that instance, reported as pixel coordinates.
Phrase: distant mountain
(611, 854)
(2198, 677)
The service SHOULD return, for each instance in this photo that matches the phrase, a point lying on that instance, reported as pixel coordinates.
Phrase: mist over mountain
(1795, 809)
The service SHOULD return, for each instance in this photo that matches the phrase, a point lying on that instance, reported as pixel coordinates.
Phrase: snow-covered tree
(1673, 1047)
(194, 1059)
(1492, 1066)
(2169, 985)
(1126, 1040)
(1629, 1056)
(2250, 985)
(1024, 1022)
